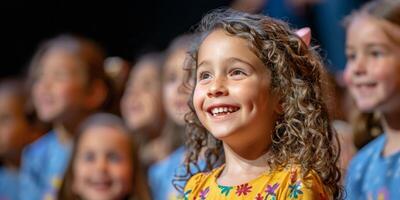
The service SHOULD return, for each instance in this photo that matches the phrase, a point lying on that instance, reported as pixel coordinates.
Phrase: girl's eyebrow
(235, 59)
(370, 45)
(229, 60)
(205, 62)
(377, 44)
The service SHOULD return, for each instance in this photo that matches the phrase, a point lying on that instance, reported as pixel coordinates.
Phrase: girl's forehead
(104, 136)
(176, 57)
(219, 44)
(371, 24)
(61, 58)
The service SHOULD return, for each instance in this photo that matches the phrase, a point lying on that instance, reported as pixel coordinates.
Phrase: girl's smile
(232, 96)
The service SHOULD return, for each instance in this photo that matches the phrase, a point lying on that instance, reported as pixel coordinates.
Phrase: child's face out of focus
(232, 96)
(60, 85)
(373, 64)
(103, 165)
(14, 127)
(175, 99)
(141, 104)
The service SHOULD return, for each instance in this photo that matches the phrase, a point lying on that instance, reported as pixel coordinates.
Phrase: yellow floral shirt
(283, 184)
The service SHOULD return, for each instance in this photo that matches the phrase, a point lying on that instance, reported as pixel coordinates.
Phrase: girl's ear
(278, 102)
(278, 107)
(96, 95)
(305, 35)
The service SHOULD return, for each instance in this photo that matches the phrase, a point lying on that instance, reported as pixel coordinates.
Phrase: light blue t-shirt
(8, 184)
(162, 173)
(43, 165)
(372, 176)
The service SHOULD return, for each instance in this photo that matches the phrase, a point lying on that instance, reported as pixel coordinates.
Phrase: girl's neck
(243, 164)
(64, 132)
(67, 128)
(391, 126)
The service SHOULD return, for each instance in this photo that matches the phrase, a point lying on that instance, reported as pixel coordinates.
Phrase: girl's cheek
(199, 96)
(347, 76)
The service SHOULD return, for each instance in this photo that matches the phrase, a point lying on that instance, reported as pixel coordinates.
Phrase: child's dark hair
(303, 133)
(17, 87)
(140, 188)
(90, 54)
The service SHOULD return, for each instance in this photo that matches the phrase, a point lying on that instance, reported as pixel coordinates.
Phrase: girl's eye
(238, 73)
(88, 157)
(350, 56)
(171, 78)
(114, 157)
(204, 75)
(376, 53)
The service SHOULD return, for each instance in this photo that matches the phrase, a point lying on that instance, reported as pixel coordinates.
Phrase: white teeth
(226, 110)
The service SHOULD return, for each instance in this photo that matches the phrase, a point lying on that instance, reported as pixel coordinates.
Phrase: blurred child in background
(175, 100)
(68, 83)
(18, 127)
(141, 107)
(373, 77)
(104, 164)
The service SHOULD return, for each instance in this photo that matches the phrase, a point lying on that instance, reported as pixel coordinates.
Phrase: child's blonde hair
(367, 126)
(302, 134)
(140, 188)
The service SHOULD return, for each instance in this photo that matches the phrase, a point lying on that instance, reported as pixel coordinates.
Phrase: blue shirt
(8, 184)
(43, 165)
(372, 176)
(162, 173)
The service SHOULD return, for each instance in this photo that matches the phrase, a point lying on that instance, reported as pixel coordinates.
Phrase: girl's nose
(359, 67)
(101, 164)
(217, 89)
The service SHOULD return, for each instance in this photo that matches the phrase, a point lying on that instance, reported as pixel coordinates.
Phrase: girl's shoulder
(294, 182)
(368, 153)
(281, 183)
(202, 178)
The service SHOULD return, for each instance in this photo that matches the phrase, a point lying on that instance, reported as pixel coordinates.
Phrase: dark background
(123, 28)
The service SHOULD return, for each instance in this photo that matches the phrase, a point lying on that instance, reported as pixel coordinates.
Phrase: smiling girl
(372, 75)
(257, 107)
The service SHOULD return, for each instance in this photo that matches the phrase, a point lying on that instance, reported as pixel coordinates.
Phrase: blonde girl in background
(373, 77)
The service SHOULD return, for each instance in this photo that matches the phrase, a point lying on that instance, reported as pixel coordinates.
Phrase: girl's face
(60, 85)
(232, 96)
(103, 167)
(175, 99)
(373, 64)
(141, 104)
(14, 127)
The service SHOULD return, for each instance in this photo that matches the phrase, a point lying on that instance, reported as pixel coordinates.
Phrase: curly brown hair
(302, 134)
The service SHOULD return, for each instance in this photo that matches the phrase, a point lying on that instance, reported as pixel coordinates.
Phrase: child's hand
(305, 34)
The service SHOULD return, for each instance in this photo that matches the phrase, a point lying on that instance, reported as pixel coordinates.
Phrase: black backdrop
(124, 28)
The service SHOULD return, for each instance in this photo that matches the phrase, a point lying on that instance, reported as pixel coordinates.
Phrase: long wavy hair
(367, 126)
(302, 134)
